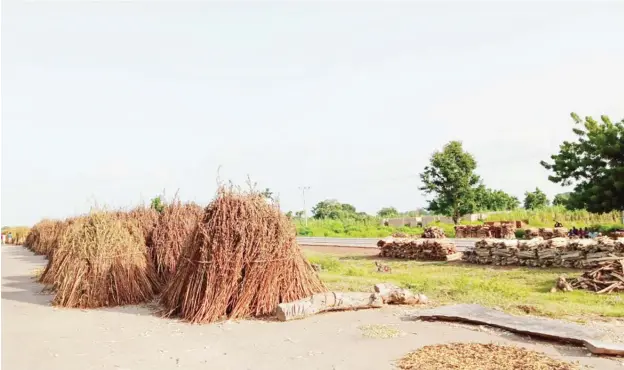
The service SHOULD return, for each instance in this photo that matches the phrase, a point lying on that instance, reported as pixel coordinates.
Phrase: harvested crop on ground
(476, 356)
(175, 227)
(101, 261)
(243, 260)
(380, 331)
(148, 220)
(43, 237)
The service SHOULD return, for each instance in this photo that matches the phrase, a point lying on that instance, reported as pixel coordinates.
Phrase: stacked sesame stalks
(242, 260)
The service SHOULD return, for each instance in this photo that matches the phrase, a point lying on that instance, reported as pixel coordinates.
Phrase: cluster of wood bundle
(545, 232)
(498, 231)
(418, 249)
(433, 232)
(560, 252)
(606, 278)
(616, 234)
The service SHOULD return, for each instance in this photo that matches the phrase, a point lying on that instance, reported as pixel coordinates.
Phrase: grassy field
(516, 290)
(372, 228)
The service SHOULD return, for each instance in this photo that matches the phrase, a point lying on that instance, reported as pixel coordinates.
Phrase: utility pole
(305, 211)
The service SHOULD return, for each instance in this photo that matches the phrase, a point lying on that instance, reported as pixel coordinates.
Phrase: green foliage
(332, 209)
(352, 228)
(535, 200)
(447, 283)
(388, 212)
(494, 200)
(546, 217)
(562, 199)
(450, 176)
(594, 163)
(157, 204)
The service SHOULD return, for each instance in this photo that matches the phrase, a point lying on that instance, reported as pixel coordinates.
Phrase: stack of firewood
(560, 232)
(507, 231)
(545, 232)
(499, 231)
(531, 233)
(606, 278)
(616, 234)
(418, 249)
(460, 231)
(560, 252)
(433, 232)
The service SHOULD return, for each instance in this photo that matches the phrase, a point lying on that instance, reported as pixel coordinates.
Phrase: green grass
(546, 217)
(444, 283)
(372, 228)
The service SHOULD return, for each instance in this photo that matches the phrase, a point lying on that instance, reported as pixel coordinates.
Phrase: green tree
(535, 200)
(594, 163)
(494, 200)
(450, 176)
(333, 209)
(387, 212)
(562, 199)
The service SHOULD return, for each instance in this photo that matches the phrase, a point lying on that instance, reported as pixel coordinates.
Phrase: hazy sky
(114, 102)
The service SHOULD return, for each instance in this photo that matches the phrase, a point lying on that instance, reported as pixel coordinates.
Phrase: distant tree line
(594, 164)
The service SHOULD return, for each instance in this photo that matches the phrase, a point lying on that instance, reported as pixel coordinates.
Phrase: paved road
(366, 242)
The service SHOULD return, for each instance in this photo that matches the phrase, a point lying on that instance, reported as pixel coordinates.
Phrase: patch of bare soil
(475, 356)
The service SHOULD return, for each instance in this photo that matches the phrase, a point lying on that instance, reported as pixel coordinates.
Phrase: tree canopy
(388, 212)
(486, 199)
(535, 200)
(450, 176)
(594, 163)
(333, 209)
(562, 199)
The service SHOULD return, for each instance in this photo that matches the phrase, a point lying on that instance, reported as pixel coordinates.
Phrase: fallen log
(392, 294)
(330, 301)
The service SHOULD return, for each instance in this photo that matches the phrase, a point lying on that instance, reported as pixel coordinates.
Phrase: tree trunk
(330, 301)
(392, 294)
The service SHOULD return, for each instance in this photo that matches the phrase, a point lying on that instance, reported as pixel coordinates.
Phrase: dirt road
(36, 336)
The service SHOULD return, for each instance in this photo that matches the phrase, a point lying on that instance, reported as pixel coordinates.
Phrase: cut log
(392, 294)
(331, 301)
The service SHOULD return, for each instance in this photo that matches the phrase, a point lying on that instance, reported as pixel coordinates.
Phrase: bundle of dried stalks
(101, 261)
(175, 227)
(148, 220)
(243, 260)
(43, 237)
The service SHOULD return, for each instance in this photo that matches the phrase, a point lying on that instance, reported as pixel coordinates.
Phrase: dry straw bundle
(101, 261)
(148, 221)
(242, 260)
(44, 236)
(175, 227)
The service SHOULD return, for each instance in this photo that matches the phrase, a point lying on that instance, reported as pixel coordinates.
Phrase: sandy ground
(37, 336)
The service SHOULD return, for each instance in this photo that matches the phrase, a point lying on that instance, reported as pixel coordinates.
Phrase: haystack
(148, 220)
(101, 260)
(43, 237)
(243, 260)
(175, 227)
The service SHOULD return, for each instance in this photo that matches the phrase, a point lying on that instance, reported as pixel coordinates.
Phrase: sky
(110, 103)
